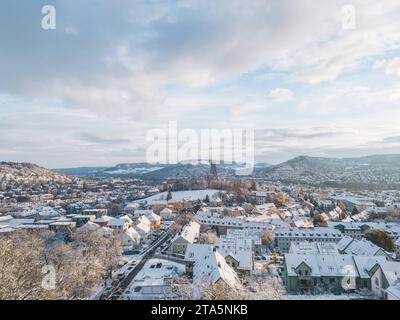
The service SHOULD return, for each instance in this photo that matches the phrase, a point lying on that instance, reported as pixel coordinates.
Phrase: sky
(300, 74)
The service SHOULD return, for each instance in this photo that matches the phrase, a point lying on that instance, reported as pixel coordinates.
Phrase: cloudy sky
(297, 72)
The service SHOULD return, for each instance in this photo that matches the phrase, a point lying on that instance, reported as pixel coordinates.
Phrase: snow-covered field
(181, 195)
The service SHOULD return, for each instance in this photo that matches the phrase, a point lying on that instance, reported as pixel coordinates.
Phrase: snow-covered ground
(136, 170)
(181, 195)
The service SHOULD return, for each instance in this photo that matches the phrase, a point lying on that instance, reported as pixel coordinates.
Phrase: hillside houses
(361, 203)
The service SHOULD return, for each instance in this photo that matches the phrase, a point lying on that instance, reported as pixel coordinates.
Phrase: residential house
(241, 261)
(102, 221)
(285, 236)
(166, 214)
(240, 240)
(319, 273)
(361, 247)
(205, 264)
(130, 239)
(188, 235)
(385, 279)
(155, 221)
(118, 224)
(82, 219)
(313, 248)
(142, 212)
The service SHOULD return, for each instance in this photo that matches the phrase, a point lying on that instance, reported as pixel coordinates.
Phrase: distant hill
(187, 169)
(81, 171)
(370, 172)
(377, 171)
(27, 172)
(123, 169)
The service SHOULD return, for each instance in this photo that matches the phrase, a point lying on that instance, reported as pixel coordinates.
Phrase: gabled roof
(364, 264)
(362, 247)
(90, 226)
(321, 264)
(5, 218)
(132, 234)
(244, 258)
(145, 220)
(344, 243)
(391, 271)
(153, 217)
(189, 233)
(127, 219)
(116, 222)
(166, 210)
(103, 219)
(210, 265)
(143, 228)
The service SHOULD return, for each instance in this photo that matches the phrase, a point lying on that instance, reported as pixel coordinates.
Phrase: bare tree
(262, 288)
(183, 288)
(21, 262)
(256, 288)
(209, 237)
(79, 267)
(281, 200)
(267, 239)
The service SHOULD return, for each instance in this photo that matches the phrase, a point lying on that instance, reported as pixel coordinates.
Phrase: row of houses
(131, 231)
(283, 237)
(339, 273)
(358, 229)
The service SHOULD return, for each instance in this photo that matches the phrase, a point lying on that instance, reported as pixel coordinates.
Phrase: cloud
(92, 138)
(281, 94)
(150, 46)
(394, 139)
(393, 67)
(279, 135)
